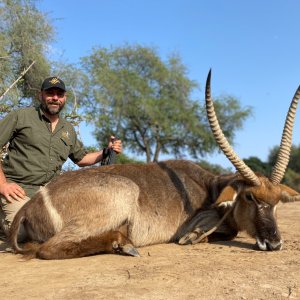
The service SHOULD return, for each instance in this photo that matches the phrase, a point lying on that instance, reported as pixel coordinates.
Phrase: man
(40, 141)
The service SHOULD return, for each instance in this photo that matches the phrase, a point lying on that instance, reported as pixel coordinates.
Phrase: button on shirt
(35, 153)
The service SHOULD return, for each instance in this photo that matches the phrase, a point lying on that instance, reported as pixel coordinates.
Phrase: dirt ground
(229, 270)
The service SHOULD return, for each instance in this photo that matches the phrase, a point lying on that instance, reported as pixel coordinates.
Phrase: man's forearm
(91, 159)
(95, 157)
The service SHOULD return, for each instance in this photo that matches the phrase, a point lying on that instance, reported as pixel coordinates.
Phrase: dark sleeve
(7, 127)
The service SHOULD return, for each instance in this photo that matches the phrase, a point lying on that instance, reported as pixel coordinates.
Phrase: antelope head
(251, 197)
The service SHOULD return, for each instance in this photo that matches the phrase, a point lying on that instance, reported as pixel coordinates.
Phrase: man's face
(53, 100)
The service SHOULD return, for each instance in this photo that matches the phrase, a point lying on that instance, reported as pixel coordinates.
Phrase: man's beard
(47, 108)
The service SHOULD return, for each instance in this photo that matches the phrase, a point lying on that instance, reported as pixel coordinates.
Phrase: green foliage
(75, 80)
(124, 159)
(255, 164)
(292, 175)
(214, 168)
(292, 179)
(120, 158)
(147, 103)
(294, 162)
(228, 108)
(24, 34)
(273, 155)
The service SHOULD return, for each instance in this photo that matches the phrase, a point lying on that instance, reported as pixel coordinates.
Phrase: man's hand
(115, 144)
(12, 192)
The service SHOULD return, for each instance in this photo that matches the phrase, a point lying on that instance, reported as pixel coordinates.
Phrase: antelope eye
(249, 197)
(263, 206)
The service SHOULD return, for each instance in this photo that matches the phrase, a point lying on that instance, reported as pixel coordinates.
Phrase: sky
(253, 48)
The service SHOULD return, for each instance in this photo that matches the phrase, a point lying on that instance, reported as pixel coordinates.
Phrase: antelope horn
(239, 164)
(286, 142)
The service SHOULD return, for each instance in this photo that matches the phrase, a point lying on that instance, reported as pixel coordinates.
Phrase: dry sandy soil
(229, 270)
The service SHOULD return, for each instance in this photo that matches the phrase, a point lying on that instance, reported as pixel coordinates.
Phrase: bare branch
(75, 101)
(16, 81)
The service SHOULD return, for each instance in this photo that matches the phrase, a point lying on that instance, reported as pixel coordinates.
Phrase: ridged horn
(286, 142)
(223, 143)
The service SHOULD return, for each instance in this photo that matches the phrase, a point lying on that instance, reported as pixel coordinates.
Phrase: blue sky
(253, 48)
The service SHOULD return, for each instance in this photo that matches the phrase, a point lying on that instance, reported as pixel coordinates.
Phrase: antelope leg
(63, 245)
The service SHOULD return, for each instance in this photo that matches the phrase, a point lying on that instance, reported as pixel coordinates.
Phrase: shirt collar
(42, 116)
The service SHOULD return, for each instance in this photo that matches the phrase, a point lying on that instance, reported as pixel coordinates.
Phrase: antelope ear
(288, 194)
(228, 195)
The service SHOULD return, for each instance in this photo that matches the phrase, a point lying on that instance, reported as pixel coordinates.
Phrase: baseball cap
(53, 82)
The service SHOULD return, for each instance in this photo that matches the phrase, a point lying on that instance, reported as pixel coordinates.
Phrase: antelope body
(117, 208)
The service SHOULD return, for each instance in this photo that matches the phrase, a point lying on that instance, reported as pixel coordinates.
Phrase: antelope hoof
(130, 250)
(127, 249)
(187, 238)
(191, 237)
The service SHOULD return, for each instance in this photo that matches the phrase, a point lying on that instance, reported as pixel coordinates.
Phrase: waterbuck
(118, 208)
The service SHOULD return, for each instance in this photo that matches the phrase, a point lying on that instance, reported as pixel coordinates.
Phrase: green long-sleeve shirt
(35, 153)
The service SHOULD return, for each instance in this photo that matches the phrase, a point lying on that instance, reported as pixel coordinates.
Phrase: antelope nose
(274, 246)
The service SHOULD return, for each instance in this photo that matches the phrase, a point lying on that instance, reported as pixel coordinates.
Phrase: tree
(147, 102)
(255, 164)
(292, 174)
(75, 80)
(294, 162)
(25, 34)
(214, 168)
(292, 179)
